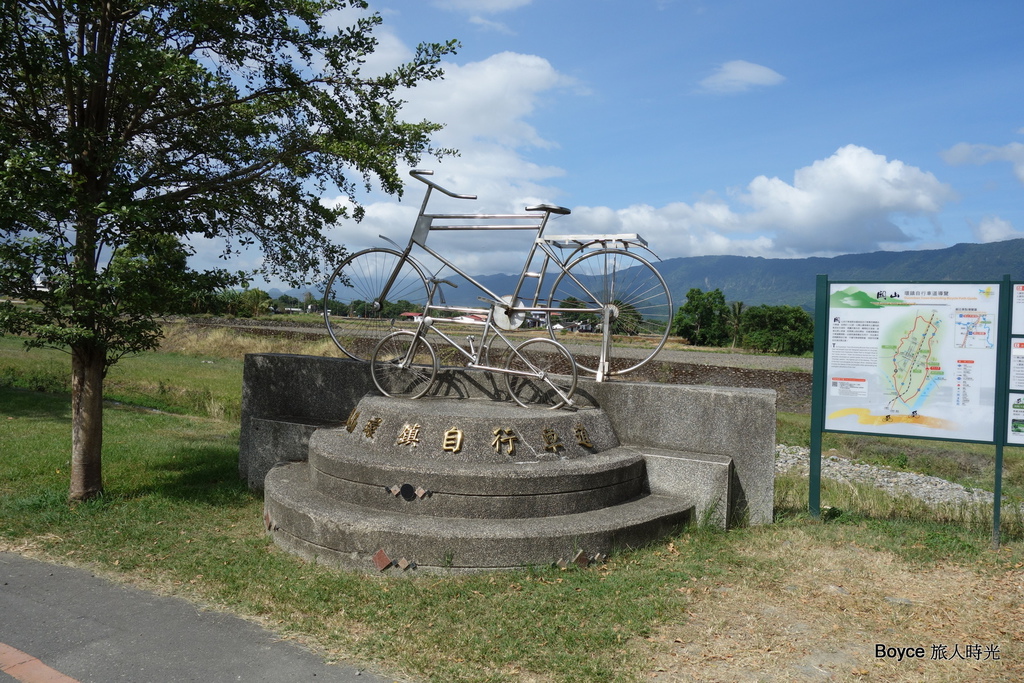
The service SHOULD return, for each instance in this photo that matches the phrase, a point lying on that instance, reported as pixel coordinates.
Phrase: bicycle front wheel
(639, 310)
(535, 369)
(404, 365)
(357, 316)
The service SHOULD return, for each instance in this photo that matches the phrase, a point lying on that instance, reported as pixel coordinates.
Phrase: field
(801, 599)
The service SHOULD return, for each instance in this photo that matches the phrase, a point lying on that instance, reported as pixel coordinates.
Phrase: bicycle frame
(473, 356)
(425, 224)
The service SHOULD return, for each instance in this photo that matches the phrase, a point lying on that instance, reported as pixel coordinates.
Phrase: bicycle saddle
(550, 208)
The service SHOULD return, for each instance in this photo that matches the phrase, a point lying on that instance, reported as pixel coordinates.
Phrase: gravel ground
(736, 360)
(931, 490)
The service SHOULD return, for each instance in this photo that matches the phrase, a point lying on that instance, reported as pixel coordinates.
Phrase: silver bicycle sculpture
(537, 371)
(603, 303)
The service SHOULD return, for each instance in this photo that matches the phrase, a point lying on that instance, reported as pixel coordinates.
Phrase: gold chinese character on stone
(504, 437)
(452, 440)
(582, 438)
(410, 436)
(353, 421)
(371, 427)
(552, 442)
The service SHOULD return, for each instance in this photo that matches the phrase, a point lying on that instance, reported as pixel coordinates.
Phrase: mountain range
(756, 280)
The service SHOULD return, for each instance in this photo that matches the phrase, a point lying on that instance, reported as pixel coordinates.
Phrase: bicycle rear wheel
(639, 303)
(544, 365)
(356, 315)
(404, 365)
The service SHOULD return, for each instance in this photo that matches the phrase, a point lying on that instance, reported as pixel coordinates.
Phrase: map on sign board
(912, 359)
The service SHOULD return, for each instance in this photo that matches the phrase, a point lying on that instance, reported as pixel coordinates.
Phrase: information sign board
(914, 359)
(1015, 419)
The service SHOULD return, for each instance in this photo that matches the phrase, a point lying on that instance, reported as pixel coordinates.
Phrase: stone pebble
(931, 490)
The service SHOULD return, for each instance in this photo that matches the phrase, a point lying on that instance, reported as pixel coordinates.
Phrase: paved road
(63, 625)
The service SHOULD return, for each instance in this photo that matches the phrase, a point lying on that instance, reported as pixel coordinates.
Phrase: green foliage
(778, 329)
(255, 302)
(114, 312)
(702, 319)
(336, 307)
(139, 140)
(285, 301)
(566, 316)
(734, 321)
(128, 127)
(395, 309)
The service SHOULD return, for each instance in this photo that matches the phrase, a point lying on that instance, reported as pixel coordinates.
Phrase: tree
(228, 302)
(734, 321)
(702, 319)
(396, 309)
(336, 307)
(566, 317)
(255, 302)
(779, 329)
(128, 126)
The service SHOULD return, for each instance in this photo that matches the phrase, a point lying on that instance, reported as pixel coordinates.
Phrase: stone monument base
(464, 480)
(465, 484)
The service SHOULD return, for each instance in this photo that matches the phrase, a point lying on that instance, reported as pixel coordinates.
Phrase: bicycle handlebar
(418, 174)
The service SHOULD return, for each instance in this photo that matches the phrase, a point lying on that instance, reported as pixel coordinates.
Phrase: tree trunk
(87, 366)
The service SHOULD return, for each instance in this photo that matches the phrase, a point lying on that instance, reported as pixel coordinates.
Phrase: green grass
(175, 514)
(176, 517)
(173, 382)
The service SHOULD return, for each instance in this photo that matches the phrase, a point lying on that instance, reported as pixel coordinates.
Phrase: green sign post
(927, 360)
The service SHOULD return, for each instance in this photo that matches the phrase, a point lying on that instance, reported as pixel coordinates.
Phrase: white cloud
(848, 202)
(486, 107)
(843, 202)
(964, 153)
(478, 8)
(488, 100)
(852, 201)
(740, 76)
(491, 25)
(482, 6)
(389, 53)
(994, 229)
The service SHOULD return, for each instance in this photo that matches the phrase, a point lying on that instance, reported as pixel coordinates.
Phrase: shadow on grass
(143, 456)
(917, 533)
(34, 404)
(204, 473)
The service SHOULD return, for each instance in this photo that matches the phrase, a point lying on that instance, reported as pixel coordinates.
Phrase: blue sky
(776, 128)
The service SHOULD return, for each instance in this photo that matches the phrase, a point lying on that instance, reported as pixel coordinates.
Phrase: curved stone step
(343, 534)
(424, 486)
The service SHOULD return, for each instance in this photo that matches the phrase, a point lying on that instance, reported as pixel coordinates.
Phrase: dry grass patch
(223, 342)
(804, 609)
